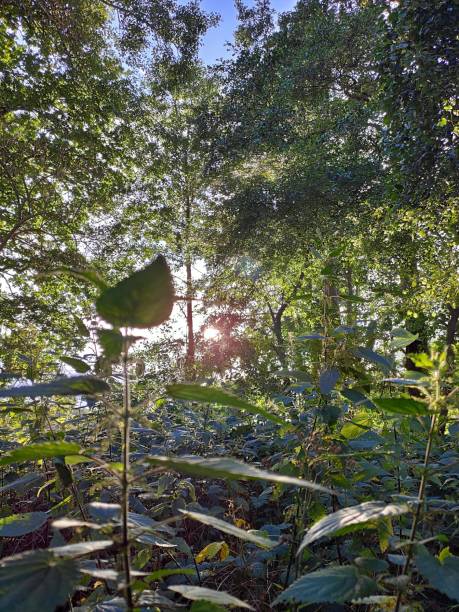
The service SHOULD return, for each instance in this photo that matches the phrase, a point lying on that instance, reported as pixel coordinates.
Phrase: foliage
(230, 305)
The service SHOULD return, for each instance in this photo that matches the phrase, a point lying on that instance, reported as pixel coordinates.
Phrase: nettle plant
(47, 578)
(400, 447)
(369, 472)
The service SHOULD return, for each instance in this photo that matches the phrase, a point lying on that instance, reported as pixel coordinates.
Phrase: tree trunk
(191, 348)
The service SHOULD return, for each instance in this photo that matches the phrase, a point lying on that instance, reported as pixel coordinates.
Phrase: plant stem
(422, 486)
(125, 478)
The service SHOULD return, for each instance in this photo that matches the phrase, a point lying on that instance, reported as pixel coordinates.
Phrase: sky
(213, 46)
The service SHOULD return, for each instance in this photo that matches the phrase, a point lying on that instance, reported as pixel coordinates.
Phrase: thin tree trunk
(191, 347)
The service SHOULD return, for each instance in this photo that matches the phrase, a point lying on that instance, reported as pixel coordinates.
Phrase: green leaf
(144, 299)
(227, 468)
(197, 393)
(23, 484)
(217, 597)
(402, 405)
(402, 338)
(328, 379)
(33, 452)
(384, 363)
(216, 523)
(354, 515)
(82, 329)
(356, 397)
(441, 576)
(333, 584)
(75, 385)
(77, 364)
(86, 274)
(17, 525)
(111, 342)
(36, 580)
(409, 382)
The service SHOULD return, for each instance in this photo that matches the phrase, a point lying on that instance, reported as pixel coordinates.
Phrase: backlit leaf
(401, 405)
(33, 452)
(77, 364)
(144, 299)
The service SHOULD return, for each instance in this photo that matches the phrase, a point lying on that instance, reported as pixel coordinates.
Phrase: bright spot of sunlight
(211, 333)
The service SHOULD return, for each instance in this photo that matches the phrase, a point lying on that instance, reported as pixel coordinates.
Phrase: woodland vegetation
(229, 307)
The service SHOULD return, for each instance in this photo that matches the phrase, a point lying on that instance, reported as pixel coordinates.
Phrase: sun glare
(211, 333)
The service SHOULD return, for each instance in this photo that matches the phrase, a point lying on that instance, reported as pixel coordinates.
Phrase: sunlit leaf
(217, 597)
(77, 364)
(227, 468)
(212, 550)
(362, 513)
(401, 405)
(401, 338)
(42, 450)
(242, 534)
(199, 393)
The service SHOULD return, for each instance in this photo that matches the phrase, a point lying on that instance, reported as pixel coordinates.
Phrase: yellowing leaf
(212, 550)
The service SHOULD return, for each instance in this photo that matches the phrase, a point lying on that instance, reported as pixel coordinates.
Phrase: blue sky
(214, 42)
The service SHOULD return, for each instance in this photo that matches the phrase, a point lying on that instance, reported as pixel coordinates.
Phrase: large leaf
(401, 338)
(328, 380)
(144, 299)
(227, 468)
(25, 483)
(333, 584)
(33, 452)
(36, 580)
(217, 597)
(197, 393)
(402, 405)
(78, 365)
(384, 363)
(74, 385)
(443, 576)
(17, 525)
(354, 515)
(242, 534)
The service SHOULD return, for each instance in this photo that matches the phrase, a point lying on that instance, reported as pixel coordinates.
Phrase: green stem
(422, 487)
(125, 480)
